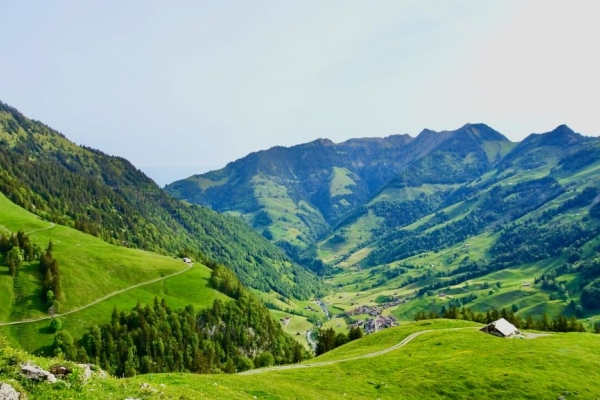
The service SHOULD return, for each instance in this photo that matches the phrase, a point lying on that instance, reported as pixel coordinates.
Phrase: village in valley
(377, 321)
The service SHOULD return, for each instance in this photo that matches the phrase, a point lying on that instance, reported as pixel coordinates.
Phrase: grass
(296, 327)
(90, 269)
(191, 287)
(457, 364)
(341, 180)
(283, 210)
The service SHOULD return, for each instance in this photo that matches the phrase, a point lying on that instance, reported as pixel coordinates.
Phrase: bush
(590, 295)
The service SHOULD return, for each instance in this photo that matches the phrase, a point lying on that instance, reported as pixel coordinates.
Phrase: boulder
(37, 373)
(7, 392)
(87, 371)
(146, 387)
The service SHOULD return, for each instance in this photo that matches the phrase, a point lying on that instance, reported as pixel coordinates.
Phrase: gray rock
(87, 371)
(37, 373)
(7, 392)
(146, 386)
(102, 374)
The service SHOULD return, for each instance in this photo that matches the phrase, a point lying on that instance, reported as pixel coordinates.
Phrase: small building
(526, 284)
(501, 328)
(187, 260)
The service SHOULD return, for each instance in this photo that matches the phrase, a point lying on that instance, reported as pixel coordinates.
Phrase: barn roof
(505, 327)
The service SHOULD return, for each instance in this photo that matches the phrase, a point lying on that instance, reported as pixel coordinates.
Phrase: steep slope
(94, 278)
(296, 194)
(437, 164)
(109, 198)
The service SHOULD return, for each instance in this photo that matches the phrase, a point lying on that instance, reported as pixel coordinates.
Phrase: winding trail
(52, 225)
(108, 296)
(402, 343)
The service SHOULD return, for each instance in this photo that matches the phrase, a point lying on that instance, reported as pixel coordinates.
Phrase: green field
(451, 360)
(296, 327)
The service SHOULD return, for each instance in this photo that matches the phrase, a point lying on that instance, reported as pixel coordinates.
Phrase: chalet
(501, 328)
(187, 260)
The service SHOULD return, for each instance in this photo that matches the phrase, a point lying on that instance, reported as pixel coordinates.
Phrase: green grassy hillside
(91, 269)
(442, 362)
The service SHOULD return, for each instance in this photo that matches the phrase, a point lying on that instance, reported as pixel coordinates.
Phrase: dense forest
(230, 336)
(16, 248)
(109, 198)
(499, 204)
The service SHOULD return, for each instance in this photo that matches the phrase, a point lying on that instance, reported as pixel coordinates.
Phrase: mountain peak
(563, 129)
(561, 135)
(483, 131)
(323, 142)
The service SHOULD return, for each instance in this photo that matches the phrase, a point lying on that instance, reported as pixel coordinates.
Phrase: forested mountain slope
(296, 194)
(455, 207)
(108, 197)
(524, 235)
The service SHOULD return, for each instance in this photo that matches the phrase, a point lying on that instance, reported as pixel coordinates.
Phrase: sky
(184, 87)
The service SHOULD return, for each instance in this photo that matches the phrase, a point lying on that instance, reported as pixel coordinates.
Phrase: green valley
(461, 217)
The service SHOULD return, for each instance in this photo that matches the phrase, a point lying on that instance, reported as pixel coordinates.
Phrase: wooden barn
(501, 328)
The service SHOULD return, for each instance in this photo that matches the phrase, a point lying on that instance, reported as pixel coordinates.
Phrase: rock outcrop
(37, 373)
(7, 392)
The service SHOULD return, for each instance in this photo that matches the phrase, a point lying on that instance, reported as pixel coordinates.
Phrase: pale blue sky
(183, 87)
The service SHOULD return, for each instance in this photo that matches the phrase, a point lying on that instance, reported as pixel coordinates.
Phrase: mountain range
(426, 215)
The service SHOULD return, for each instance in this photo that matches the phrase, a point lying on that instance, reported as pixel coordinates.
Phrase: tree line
(230, 336)
(328, 339)
(52, 290)
(560, 323)
(16, 248)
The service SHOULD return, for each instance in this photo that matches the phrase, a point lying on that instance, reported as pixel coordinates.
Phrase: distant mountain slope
(530, 225)
(453, 208)
(108, 197)
(297, 194)
(535, 169)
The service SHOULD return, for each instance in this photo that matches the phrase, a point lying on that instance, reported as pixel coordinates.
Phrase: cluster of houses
(375, 324)
(375, 310)
(378, 321)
